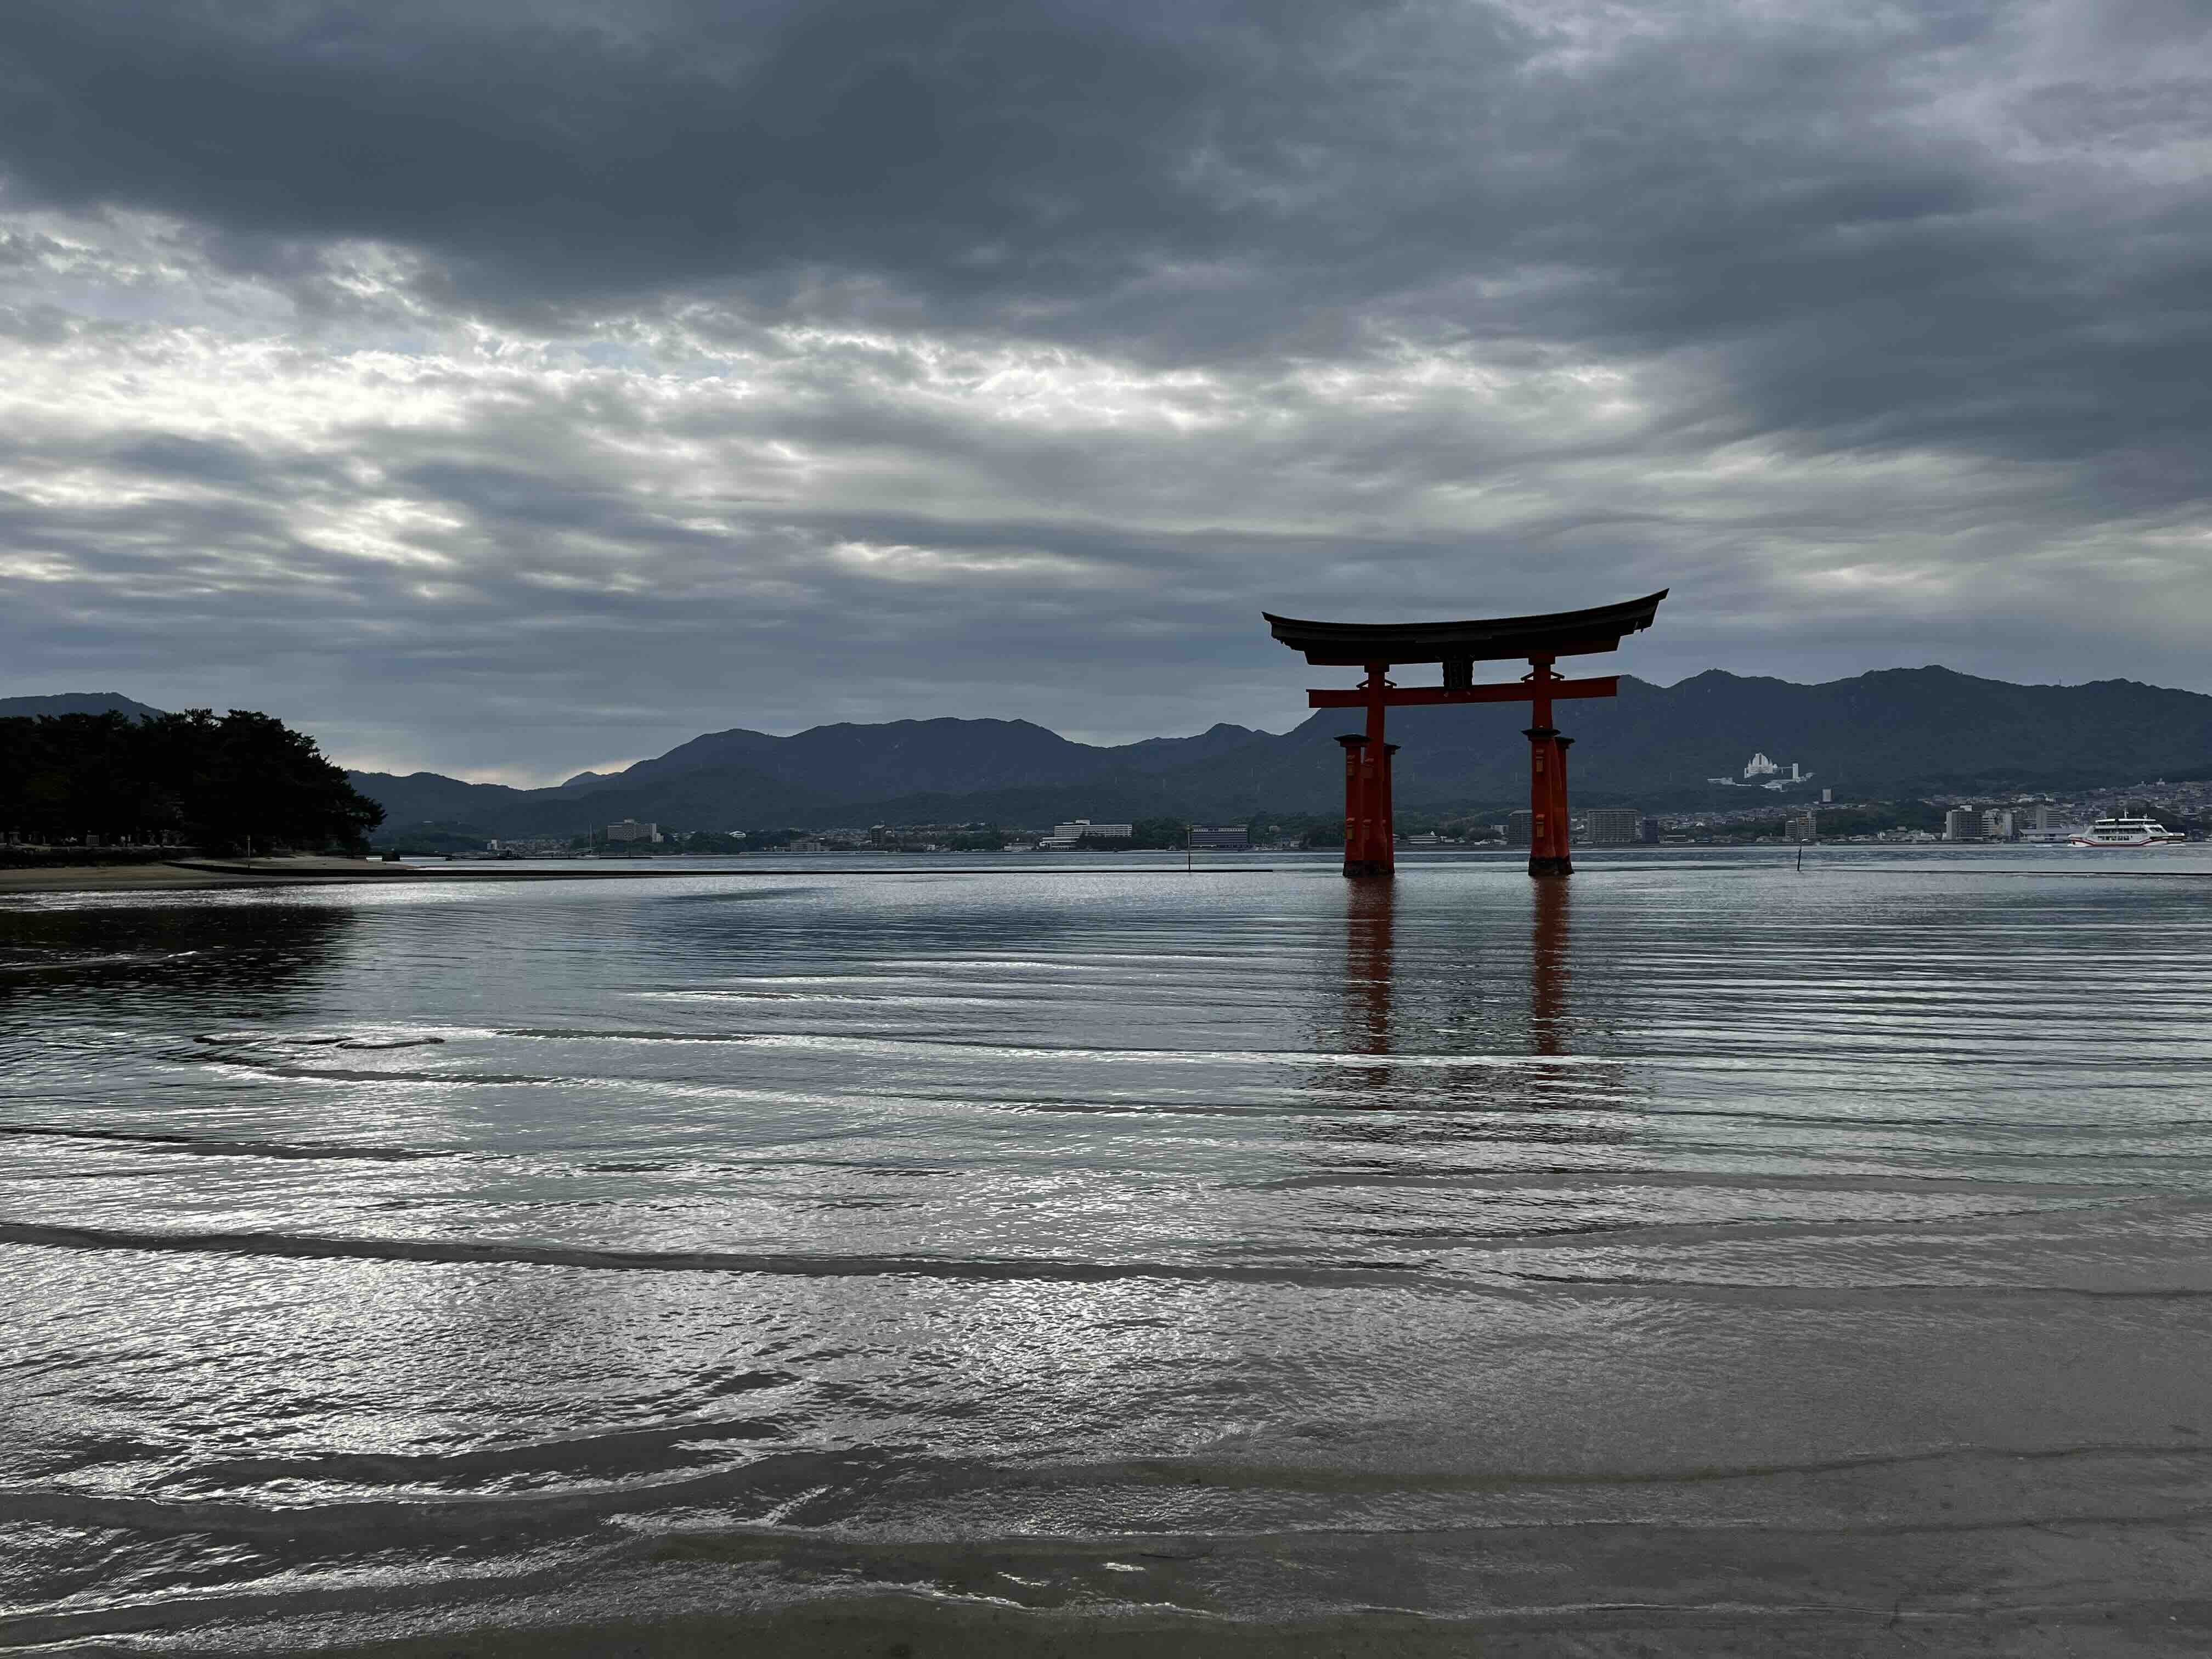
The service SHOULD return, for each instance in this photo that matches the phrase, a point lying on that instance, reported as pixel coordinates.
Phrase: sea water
(949, 1254)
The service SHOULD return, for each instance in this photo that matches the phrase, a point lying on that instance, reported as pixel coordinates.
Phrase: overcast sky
(506, 388)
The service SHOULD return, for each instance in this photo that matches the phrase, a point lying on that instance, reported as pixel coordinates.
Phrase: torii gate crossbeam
(1368, 840)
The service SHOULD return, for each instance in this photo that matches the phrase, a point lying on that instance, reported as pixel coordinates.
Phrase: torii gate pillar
(1369, 841)
(1369, 837)
(1548, 837)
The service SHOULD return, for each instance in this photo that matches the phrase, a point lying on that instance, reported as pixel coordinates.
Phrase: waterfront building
(1959, 824)
(1518, 827)
(1615, 826)
(1066, 835)
(1228, 837)
(1997, 824)
(631, 830)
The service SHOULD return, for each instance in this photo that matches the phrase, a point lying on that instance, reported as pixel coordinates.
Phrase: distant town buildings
(2047, 819)
(1619, 826)
(1067, 835)
(1988, 816)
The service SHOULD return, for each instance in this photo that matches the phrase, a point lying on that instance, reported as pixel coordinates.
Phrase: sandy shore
(184, 873)
(871, 1626)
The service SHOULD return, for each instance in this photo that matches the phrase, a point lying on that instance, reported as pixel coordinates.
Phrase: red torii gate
(1375, 647)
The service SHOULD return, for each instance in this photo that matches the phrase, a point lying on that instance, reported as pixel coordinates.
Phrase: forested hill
(215, 783)
(1893, 732)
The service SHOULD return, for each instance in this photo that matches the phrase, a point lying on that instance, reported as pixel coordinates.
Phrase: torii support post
(1369, 837)
(1355, 801)
(1369, 844)
(1548, 839)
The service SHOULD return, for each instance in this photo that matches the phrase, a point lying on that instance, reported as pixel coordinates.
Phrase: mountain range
(75, 703)
(1888, 733)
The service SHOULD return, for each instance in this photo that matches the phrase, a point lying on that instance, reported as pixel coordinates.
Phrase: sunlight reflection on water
(707, 1242)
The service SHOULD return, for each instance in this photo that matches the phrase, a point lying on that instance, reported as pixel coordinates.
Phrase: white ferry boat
(2127, 832)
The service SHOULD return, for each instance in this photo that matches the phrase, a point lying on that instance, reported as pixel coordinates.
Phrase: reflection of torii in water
(1370, 949)
(1407, 1005)
(1370, 929)
(1386, 1104)
(1548, 969)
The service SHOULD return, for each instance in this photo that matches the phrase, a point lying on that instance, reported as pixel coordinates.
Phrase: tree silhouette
(213, 782)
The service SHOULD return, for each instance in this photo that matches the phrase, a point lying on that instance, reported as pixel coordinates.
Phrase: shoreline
(184, 875)
(189, 875)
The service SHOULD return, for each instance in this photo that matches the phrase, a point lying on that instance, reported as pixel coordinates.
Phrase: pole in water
(1801, 858)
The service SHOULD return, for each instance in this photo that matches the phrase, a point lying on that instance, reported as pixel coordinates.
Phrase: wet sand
(185, 873)
(921, 1628)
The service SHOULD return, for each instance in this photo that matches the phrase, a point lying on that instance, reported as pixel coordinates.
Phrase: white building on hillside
(1760, 773)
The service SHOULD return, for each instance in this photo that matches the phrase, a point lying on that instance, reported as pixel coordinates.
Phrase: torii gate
(1367, 845)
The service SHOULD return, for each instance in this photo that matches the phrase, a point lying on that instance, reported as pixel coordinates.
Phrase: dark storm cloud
(829, 360)
(1003, 158)
(1782, 192)
(957, 147)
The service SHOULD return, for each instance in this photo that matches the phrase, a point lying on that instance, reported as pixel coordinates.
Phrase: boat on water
(2128, 832)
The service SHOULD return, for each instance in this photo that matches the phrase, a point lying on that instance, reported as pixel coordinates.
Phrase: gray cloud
(518, 388)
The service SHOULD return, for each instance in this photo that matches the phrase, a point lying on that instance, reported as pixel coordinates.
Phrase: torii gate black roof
(1561, 633)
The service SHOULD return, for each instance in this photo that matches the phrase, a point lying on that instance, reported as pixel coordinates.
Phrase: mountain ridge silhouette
(1887, 732)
